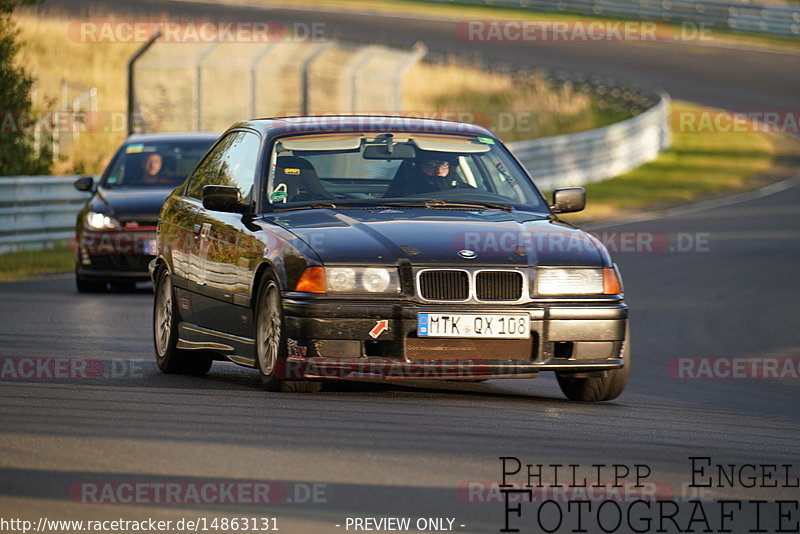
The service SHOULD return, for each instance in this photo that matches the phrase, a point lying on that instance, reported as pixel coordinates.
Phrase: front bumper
(115, 255)
(336, 340)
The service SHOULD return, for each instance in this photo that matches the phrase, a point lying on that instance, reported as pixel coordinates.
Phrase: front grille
(498, 285)
(452, 285)
(139, 224)
(119, 262)
(444, 285)
(470, 349)
(131, 262)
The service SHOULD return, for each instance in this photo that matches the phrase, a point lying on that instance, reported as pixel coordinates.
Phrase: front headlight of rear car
(577, 282)
(352, 280)
(101, 221)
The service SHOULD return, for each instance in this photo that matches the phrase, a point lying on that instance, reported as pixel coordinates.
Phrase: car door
(192, 232)
(226, 264)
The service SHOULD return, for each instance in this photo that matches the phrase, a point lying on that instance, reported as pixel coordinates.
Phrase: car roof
(172, 136)
(360, 123)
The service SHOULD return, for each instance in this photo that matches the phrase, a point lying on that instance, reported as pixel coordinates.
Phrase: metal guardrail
(769, 19)
(595, 155)
(37, 211)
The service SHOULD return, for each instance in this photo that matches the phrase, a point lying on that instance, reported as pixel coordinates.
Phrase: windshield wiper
(438, 203)
(428, 204)
(317, 205)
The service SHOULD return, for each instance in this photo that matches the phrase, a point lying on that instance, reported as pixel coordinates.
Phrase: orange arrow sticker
(379, 328)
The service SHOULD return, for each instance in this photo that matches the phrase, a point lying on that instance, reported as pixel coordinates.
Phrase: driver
(152, 166)
(431, 172)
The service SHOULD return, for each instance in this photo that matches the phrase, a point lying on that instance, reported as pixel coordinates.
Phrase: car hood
(437, 236)
(131, 204)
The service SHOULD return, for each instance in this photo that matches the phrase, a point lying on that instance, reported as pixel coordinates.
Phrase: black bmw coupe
(349, 248)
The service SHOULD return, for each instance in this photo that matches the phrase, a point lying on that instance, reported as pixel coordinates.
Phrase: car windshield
(156, 164)
(406, 169)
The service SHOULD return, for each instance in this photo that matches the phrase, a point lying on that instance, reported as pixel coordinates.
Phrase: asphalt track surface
(405, 451)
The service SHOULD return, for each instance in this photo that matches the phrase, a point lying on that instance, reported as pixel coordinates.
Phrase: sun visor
(467, 147)
(351, 143)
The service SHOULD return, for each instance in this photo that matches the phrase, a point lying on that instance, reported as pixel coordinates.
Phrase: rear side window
(238, 164)
(232, 162)
(208, 171)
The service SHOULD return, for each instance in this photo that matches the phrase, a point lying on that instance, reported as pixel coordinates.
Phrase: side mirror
(84, 183)
(568, 200)
(223, 198)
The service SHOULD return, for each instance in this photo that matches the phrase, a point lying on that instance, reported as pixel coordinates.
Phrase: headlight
(101, 221)
(340, 280)
(570, 281)
(361, 280)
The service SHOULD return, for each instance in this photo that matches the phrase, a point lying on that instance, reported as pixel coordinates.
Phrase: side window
(208, 171)
(238, 163)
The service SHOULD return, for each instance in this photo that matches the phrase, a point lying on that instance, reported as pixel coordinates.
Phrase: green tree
(17, 155)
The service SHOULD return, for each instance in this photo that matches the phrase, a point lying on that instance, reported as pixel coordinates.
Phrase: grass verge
(52, 56)
(695, 167)
(27, 264)
(514, 108)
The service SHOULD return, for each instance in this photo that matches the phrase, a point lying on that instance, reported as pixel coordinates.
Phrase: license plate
(510, 325)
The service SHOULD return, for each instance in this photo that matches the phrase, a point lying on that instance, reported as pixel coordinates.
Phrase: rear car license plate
(509, 325)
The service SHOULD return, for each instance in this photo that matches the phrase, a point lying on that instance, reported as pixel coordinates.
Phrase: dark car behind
(115, 230)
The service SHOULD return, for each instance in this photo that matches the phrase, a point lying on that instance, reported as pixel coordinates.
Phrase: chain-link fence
(55, 131)
(208, 86)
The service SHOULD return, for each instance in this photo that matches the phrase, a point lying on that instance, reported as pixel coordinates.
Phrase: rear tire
(604, 388)
(169, 358)
(271, 342)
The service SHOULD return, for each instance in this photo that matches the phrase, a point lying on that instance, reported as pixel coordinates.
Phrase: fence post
(269, 47)
(418, 51)
(198, 86)
(351, 73)
(131, 86)
(321, 47)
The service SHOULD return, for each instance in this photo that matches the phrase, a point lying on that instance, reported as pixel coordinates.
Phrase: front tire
(604, 388)
(271, 342)
(169, 358)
